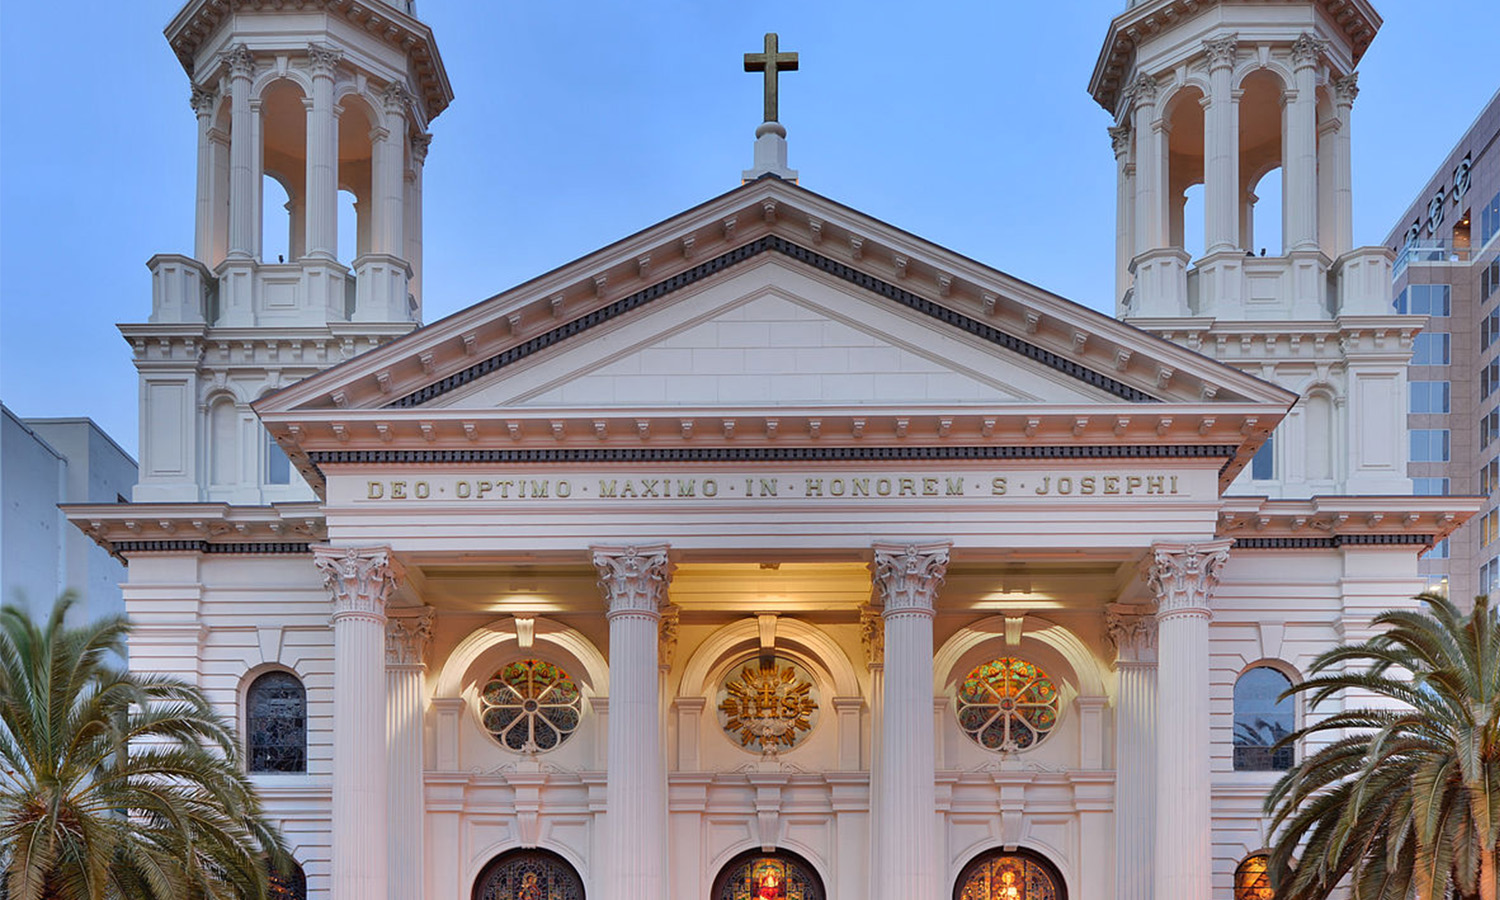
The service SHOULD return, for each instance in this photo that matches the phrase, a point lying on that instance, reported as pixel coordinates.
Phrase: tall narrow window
(1263, 464)
(1261, 718)
(278, 467)
(1252, 881)
(276, 723)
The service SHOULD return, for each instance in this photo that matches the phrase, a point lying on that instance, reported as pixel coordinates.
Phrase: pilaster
(407, 636)
(1132, 629)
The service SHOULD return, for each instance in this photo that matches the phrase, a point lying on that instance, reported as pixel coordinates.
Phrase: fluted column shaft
(360, 580)
(1150, 167)
(1301, 149)
(389, 144)
(1183, 578)
(1133, 630)
(907, 578)
(406, 641)
(1345, 89)
(243, 153)
(634, 582)
(203, 101)
(322, 200)
(1221, 135)
(1120, 138)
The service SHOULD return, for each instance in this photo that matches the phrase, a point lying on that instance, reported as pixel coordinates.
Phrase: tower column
(322, 200)
(634, 582)
(907, 578)
(406, 641)
(381, 285)
(360, 580)
(1150, 167)
(1300, 152)
(413, 209)
(1120, 139)
(203, 101)
(1221, 149)
(243, 155)
(1183, 578)
(1133, 631)
(1345, 89)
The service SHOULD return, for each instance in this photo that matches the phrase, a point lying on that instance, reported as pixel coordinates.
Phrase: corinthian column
(360, 580)
(634, 583)
(1183, 578)
(1301, 148)
(1221, 135)
(322, 198)
(243, 215)
(406, 640)
(1133, 631)
(907, 579)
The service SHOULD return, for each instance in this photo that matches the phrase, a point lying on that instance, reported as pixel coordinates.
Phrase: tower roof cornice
(1357, 20)
(197, 21)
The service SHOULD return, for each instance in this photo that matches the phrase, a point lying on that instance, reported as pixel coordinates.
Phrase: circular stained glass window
(530, 705)
(1007, 705)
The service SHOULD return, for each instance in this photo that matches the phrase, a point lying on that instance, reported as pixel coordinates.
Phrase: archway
(528, 875)
(759, 875)
(1010, 875)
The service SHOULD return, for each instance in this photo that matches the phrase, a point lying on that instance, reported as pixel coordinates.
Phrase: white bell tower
(313, 100)
(1214, 96)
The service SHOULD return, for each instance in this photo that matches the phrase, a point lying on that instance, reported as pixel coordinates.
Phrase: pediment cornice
(129, 529)
(1334, 521)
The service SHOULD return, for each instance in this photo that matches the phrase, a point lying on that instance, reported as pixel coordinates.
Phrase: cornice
(125, 528)
(1357, 20)
(196, 22)
(1270, 341)
(1333, 521)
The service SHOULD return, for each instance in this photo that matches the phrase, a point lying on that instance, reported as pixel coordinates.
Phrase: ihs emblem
(768, 706)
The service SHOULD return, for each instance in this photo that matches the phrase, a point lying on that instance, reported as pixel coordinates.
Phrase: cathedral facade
(771, 552)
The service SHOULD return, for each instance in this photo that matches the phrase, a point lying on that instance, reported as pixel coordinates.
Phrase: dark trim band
(818, 261)
(251, 549)
(1332, 542)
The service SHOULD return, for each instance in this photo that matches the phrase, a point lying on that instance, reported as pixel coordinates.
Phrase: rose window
(530, 705)
(1007, 705)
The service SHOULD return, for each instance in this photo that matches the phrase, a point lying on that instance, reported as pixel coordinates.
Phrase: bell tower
(314, 100)
(1215, 101)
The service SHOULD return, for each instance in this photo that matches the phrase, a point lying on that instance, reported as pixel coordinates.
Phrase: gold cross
(771, 63)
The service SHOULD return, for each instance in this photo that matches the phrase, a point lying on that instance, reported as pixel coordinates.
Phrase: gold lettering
(505, 487)
(1132, 482)
(376, 491)
(813, 487)
(1111, 484)
(648, 487)
(398, 490)
(956, 487)
(564, 489)
(768, 487)
(1045, 486)
(538, 489)
(883, 487)
(686, 488)
(628, 490)
(1064, 484)
(861, 487)
(710, 487)
(423, 490)
(1154, 484)
(1174, 484)
(463, 489)
(929, 487)
(997, 486)
(608, 488)
(908, 487)
(1086, 484)
(482, 488)
(836, 487)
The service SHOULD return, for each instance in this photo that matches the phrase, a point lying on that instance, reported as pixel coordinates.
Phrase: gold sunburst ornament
(768, 707)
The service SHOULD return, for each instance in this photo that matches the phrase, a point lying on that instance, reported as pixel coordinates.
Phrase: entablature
(1334, 521)
(127, 529)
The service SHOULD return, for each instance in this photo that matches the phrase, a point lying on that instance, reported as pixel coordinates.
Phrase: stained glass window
(531, 705)
(768, 705)
(1008, 704)
(1252, 881)
(1010, 876)
(289, 885)
(1261, 718)
(528, 875)
(768, 876)
(276, 723)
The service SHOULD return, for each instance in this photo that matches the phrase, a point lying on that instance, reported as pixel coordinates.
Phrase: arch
(275, 722)
(1184, 123)
(288, 885)
(283, 146)
(277, 215)
(503, 877)
(1083, 662)
(1261, 150)
(1042, 877)
(457, 668)
(358, 116)
(223, 440)
(1262, 717)
(1272, 67)
(1318, 429)
(1252, 880)
(712, 656)
(750, 867)
(266, 80)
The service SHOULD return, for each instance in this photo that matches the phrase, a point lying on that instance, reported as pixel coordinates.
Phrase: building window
(1425, 300)
(531, 705)
(1429, 397)
(1017, 875)
(777, 875)
(1429, 445)
(278, 467)
(1430, 349)
(1489, 220)
(1489, 280)
(1263, 464)
(1488, 524)
(1007, 705)
(276, 722)
(1489, 576)
(1430, 487)
(288, 885)
(1489, 428)
(528, 874)
(1252, 879)
(1438, 551)
(1261, 718)
(1489, 378)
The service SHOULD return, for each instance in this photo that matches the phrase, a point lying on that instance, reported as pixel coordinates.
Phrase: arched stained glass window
(531, 705)
(1008, 704)
(1252, 881)
(1261, 719)
(768, 876)
(528, 875)
(289, 885)
(276, 723)
(1010, 876)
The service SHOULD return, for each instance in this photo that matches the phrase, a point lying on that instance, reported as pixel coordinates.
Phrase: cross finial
(772, 63)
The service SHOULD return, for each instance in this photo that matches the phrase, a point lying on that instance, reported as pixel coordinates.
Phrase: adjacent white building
(773, 551)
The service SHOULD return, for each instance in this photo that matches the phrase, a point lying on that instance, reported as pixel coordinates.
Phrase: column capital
(322, 59)
(1221, 51)
(419, 144)
(359, 578)
(240, 60)
(907, 576)
(1183, 576)
(634, 579)
(1143, 90)
(1132, 629)
(395, 97)
(1119, 139)
(407, 638)
(202, 100)
(1346, 88)
(1307, 50)
(666, 636)
(872, 636)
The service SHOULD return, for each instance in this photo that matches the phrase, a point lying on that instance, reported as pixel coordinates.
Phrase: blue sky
(578, 123)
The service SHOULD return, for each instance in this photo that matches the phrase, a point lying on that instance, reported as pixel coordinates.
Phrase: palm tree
(117, 785)
(1404, 799)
